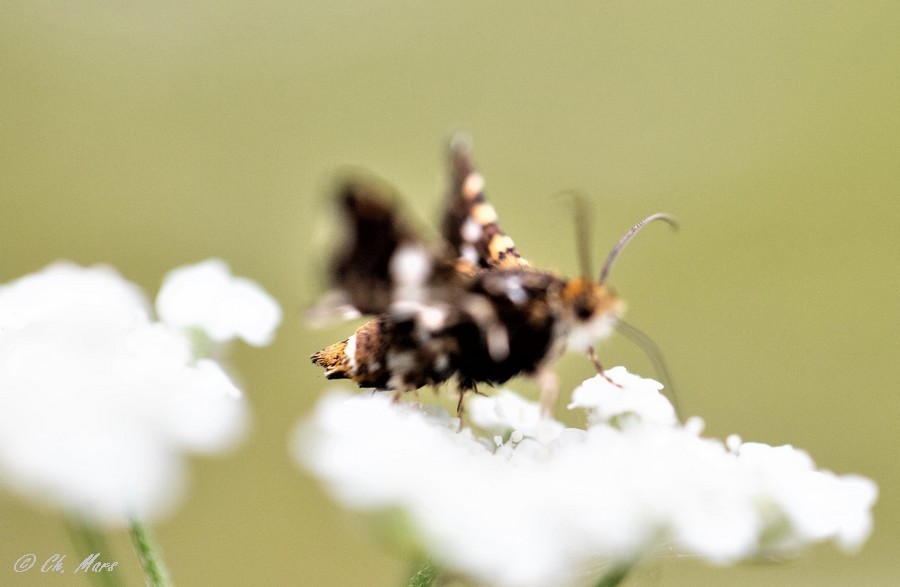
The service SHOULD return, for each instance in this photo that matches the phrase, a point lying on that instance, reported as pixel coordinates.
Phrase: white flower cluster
(206, 296)
(98, 401)
(535, 503)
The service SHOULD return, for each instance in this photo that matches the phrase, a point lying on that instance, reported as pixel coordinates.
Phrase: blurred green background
(148, 135)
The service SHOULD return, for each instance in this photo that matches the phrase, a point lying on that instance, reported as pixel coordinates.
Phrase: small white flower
(208, 297)
(98, 402)
(65, 292)
(817, 505)
(605, 401)
(506, 412)
(549, 503)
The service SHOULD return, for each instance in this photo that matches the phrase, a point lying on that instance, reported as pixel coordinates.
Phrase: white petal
(208, 297)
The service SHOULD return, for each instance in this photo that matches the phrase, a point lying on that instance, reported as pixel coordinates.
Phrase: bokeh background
(148, 135)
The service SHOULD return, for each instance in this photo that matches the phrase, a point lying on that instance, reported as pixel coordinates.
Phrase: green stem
(614, 577)
(151, 560)
(87, 541)
(425, 576)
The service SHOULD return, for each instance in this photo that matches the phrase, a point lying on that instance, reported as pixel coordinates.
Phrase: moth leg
(548, 381)
(600, 371)
(464, 388)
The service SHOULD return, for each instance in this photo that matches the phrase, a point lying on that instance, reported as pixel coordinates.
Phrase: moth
(471, 308)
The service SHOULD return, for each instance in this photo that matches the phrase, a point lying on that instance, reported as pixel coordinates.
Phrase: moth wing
(470, 221)
(361, 270)
(383, 261)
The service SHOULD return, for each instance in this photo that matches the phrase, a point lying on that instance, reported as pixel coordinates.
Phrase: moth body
(473, 310)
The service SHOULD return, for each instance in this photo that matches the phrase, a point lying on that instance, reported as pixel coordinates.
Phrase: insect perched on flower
(474, 308)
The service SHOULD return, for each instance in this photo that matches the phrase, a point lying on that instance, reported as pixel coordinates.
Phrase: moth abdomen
(360, 358)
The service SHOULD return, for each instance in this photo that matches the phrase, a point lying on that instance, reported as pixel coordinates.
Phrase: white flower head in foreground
(98, 401)
(535, 503)
(208, 297)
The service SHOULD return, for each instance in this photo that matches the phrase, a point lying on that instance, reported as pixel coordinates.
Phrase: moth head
(589, 310)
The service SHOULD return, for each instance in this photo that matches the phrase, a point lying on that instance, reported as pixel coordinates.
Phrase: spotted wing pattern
(470, 221)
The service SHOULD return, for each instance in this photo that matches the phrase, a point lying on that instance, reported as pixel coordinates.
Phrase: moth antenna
(604, 273)
(655, 355)
(582, 217)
